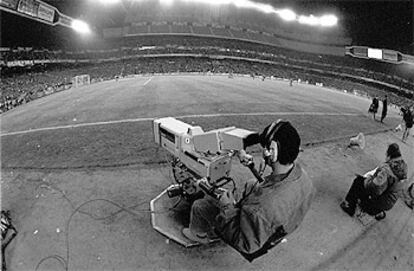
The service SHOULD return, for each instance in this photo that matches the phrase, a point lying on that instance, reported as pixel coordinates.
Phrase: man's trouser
(203, 215)
(358, 192)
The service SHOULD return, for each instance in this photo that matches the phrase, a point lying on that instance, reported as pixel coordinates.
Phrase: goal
(81, 80)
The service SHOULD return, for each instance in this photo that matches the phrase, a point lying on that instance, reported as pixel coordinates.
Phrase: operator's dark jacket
(383, 186)
(279, 201)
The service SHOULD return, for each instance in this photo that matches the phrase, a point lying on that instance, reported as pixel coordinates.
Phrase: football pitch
(95, 143)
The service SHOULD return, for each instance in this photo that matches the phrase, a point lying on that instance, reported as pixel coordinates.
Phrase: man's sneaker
(347, 208)
(196, 237)
(380, 216)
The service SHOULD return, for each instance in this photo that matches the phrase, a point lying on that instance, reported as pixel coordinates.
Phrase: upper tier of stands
(300, 42)
(231, 17)
(229, 22)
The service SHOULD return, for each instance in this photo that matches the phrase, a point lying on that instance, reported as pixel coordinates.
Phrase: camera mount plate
(169, 218)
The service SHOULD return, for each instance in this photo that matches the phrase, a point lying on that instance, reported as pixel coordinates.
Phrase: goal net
(81, 80)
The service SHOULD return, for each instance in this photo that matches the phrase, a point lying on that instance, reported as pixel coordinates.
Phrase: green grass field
(83, 147)
(211, 102)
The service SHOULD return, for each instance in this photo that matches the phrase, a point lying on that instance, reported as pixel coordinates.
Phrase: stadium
(81, 170)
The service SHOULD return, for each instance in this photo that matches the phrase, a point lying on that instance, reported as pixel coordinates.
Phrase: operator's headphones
(268, 135)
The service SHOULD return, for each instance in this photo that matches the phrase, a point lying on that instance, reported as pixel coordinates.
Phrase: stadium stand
(202, 30)
(178, 44)
(180, 28)
(159, 28)
(220, 31)
(28, 73)
(115, 32)
(205, 19)
(239, 34)
(319, 43)
(23, 84)
(141, 28)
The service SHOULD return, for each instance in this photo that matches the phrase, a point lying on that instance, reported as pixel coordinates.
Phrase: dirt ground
(96, 217)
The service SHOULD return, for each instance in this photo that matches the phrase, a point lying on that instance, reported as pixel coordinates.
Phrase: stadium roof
(381, 24)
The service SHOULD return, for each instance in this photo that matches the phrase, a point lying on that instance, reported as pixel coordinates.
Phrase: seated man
(268, 209)
(377, 192)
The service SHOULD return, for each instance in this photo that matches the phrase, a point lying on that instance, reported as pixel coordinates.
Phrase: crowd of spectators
(161, 45)
(22, 85)
(51, 71)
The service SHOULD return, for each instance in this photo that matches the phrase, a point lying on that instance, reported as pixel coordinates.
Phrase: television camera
(202, 160)
(201, 165)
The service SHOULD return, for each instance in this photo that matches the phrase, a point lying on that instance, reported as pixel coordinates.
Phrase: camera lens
(174, 191)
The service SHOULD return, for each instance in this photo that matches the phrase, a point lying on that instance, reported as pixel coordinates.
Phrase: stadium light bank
(109, 2)
(45, 13)
(80, 27)
(328, 20)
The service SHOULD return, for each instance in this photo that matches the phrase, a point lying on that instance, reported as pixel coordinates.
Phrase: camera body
(202, 160)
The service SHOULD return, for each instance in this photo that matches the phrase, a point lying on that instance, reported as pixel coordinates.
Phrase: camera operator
(267, 210)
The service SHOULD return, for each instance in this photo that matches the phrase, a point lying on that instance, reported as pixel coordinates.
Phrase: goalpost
(81, 80)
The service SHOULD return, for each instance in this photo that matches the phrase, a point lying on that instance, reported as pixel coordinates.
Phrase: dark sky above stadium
(383, 24)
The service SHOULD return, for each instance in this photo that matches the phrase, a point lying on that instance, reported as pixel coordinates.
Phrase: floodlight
(309, 20)
(80, 26)
(267, 9)
(328, 20)
(261, 7)
(287, 14)
(109, 2)
(166, 2)
(211, 2)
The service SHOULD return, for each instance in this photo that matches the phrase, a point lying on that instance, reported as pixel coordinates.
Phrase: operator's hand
(245, 159)
(226, 198)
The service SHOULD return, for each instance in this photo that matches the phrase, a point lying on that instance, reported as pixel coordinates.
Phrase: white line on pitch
(183, 116)
(149, 80)
(76, 126)
(268, 113)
